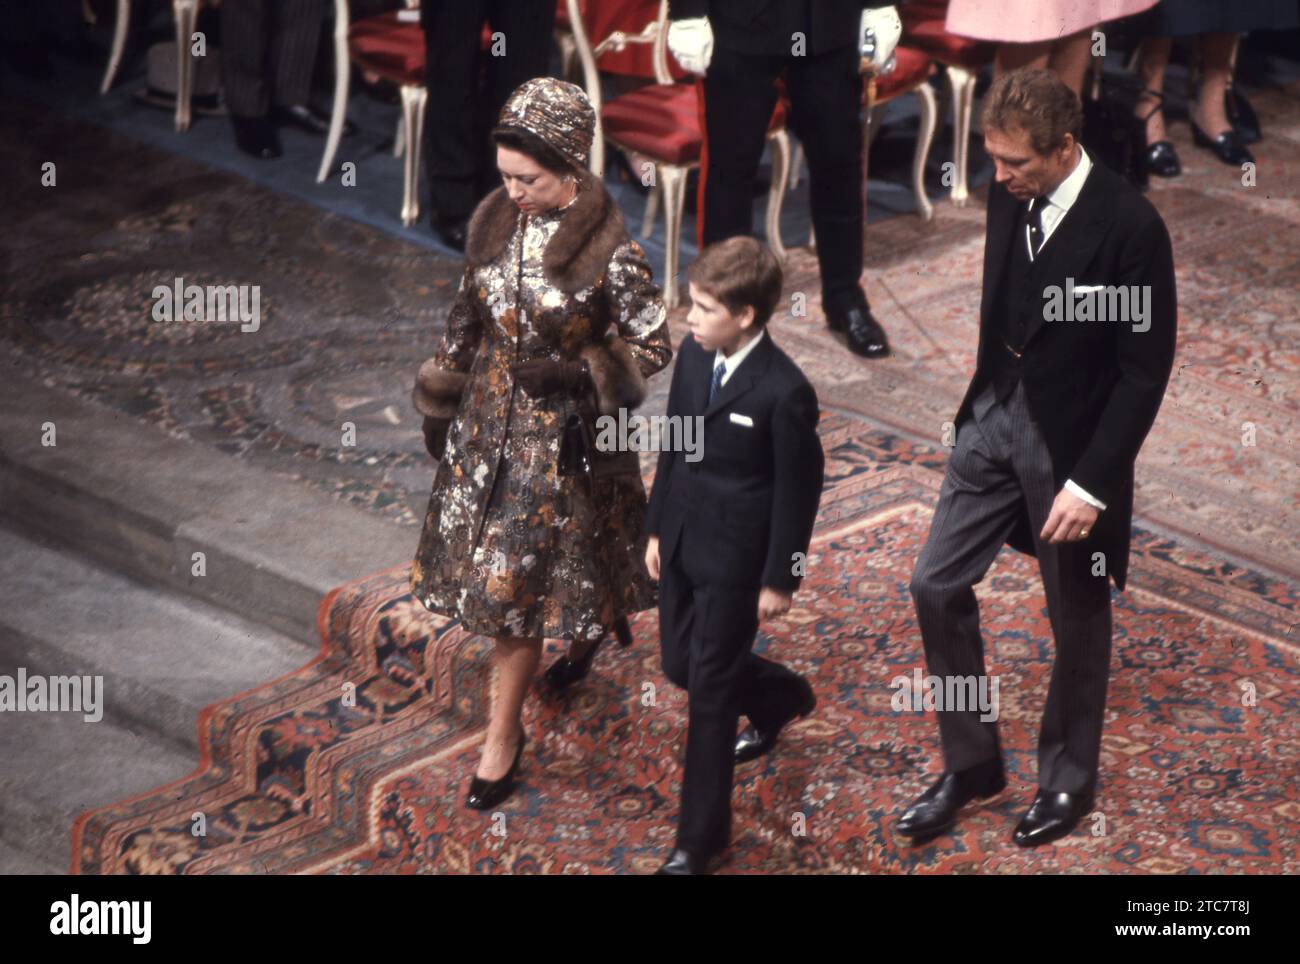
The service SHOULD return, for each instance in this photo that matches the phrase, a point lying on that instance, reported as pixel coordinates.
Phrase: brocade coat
(509, 546)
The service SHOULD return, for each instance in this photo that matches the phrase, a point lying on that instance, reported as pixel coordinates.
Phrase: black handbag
(579, 454)
(1112, 133)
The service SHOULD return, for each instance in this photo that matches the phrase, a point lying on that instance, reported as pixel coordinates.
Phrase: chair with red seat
(962, 59)
(660, 121)
(911, 74)
(390, 46)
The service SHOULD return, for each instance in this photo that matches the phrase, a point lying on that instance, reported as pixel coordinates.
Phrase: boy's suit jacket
(748, 505)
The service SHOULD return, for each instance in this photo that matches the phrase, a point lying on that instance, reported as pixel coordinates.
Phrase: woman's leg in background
(1216, 58)
(1070, 59)
(1011, 57)
(1153, 61)
(516, 662)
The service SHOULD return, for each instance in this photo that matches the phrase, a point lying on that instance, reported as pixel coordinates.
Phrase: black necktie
(716, 383)
(1035, 220)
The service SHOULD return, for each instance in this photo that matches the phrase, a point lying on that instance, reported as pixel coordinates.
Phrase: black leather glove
(542, 377)
(435, 435)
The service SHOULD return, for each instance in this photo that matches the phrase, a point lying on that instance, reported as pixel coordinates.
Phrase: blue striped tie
(717, 380)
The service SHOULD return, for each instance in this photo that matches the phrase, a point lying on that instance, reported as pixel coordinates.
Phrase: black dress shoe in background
(1242, 116)
(307, 118)
(865, 335)
(1052, 816)
(753, 742)
(486, 794)
(684, 863)
(256, 136)
(1161, 159)
(450, 231)
(1227, 146)
(564, 672)
(936, 810)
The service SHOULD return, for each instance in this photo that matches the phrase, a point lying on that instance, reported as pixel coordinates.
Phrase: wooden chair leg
(673, 181)
(415, 98)
(651, 209)
(924, 137)
(796, 164)
(781, 154)
(963, 95)
(342, 79)
(120, 29)
(185, 13)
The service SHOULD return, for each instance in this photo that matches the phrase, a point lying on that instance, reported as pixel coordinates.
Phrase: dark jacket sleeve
(1145, 361)
(659, 488)
(796, 488)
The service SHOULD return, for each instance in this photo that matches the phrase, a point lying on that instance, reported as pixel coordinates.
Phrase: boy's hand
(773, 603)
(652, 557)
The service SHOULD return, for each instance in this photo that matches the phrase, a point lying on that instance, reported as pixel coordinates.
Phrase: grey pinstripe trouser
(268, 50)
(999, 458)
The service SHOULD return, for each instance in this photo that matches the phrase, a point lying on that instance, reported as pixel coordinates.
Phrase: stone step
(56, 765)
(14, 861)
(142, 503)
(163, 656)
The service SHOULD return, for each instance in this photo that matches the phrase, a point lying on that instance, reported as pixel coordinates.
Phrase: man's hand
(691, 42)
(878, 34)
(1070, 520)
(773, 603)
(652, 557)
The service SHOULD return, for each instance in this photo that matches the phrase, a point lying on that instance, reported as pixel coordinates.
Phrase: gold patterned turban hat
(555, 111)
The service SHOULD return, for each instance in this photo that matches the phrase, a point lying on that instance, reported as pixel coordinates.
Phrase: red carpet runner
(357, 763)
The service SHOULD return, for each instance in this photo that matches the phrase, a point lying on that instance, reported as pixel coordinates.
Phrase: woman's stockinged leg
(516, 661)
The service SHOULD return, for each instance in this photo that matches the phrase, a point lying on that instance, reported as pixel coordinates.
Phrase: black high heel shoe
(564, 672)
(1160, 158)
(1227, 146)
(486, 794)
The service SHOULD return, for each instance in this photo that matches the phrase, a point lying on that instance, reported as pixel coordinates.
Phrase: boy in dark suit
(729, 532)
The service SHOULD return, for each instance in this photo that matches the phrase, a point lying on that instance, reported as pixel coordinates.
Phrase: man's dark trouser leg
(825, 105)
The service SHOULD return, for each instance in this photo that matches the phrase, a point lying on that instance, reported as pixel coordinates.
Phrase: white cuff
(1092, 501)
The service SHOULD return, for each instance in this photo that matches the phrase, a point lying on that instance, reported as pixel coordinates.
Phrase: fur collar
(579, 252)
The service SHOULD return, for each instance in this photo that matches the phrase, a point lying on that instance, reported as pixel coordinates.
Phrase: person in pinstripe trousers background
(1047, 437)
(268, 50)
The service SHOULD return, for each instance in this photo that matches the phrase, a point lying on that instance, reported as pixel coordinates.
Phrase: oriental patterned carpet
(358, 762)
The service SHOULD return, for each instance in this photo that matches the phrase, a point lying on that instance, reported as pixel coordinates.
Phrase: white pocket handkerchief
(745, 420)
(1086, 289)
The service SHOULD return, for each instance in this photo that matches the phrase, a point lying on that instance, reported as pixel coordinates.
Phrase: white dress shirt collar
(733, 360)
(1062, 197)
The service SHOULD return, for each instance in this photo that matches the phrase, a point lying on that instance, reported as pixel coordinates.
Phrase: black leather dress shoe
(1242, 116)
(865, 335)
(1051, 816)
(307, 118)
(754, 742)
(486, 794)
(450, 231)
(256, 136)
(564, 672)
(1227, 146)
(1161, 159)
(684, 863)
(936, 810)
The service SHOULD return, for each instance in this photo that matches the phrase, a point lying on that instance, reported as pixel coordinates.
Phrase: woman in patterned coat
(511, 547)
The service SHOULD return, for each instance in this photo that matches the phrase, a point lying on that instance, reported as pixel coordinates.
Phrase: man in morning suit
(728, 532)
(741, 46)
(1047, 437)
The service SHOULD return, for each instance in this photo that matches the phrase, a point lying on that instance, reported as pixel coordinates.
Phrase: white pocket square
(744, 420)
(1084, 289)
